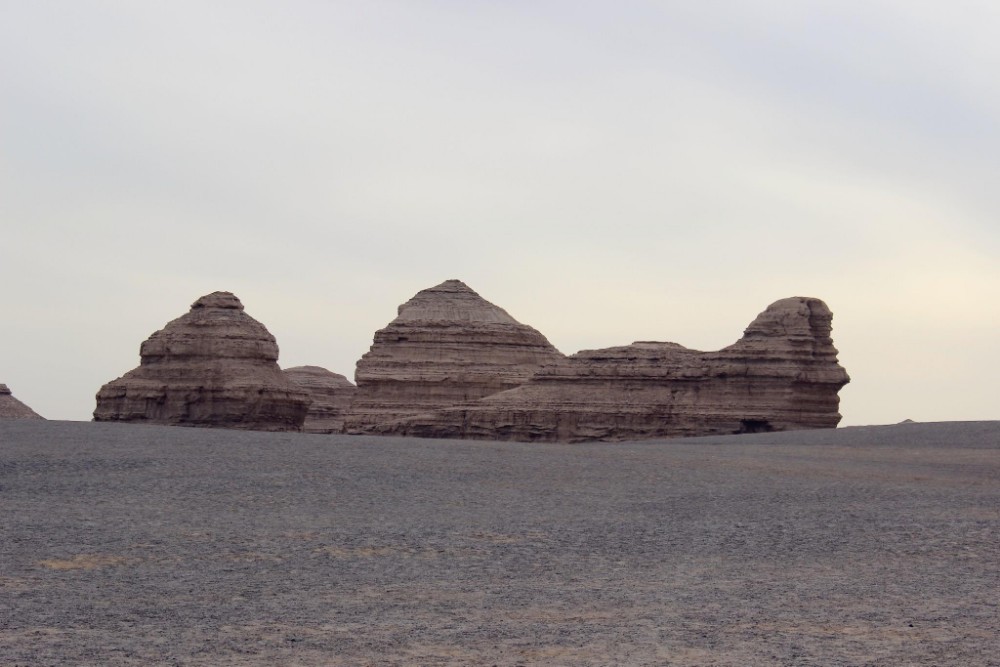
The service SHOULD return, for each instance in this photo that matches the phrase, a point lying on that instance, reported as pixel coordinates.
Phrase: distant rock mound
(331, 395)
(782, 375)
(11, 408)
(447, 346)
(214, 366)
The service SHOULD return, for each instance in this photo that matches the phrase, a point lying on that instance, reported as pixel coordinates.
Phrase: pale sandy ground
(132, 545)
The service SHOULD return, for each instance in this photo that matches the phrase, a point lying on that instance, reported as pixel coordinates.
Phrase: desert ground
(149, 545)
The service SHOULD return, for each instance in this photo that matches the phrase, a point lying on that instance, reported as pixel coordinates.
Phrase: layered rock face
(447, 346)
(11, 408)
(214, 366)
(782, 375)
(331, 395)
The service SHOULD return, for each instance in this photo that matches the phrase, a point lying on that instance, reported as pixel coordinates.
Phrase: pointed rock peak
(452, 285)
(452, 301)
(224, 300)
(11, 408)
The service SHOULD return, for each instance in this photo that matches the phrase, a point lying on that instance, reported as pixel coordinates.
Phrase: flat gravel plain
(148, 545)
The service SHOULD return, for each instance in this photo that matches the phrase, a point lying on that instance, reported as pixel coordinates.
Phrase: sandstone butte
(331, 395)
(214, 366)
(783, 374)
(11, 408)
(447, 346)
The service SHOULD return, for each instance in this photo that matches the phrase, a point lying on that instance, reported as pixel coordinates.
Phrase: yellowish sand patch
(82, 562)
(570, 616)
(252, 557)
(301, 535)
(509, 538)
(365, 552)
(383, 551)
(14, 584)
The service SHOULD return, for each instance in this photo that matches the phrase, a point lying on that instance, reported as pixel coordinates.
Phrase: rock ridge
(783, 374)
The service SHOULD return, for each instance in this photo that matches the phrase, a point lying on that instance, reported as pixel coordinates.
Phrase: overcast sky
(605, 171)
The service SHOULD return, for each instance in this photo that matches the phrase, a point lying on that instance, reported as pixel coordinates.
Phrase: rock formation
(11, 408)
(447, 346)
(214, 366)
(782, 375)
(331, 395)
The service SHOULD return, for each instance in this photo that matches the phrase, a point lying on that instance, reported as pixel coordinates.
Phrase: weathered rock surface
(214, 366)
(11, 408)
(782, 375)
(331, 395)
(447, 346)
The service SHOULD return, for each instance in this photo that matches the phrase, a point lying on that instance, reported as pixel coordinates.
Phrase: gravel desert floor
(147, 545)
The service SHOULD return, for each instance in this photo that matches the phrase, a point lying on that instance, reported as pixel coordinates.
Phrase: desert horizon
(377, 333)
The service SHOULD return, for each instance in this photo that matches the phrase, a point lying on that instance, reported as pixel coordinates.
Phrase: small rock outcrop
(331, 395)
(11, 408)
(214, 366)
(447, 346)
(782, 375)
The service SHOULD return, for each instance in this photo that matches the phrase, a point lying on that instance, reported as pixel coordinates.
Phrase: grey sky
(605, 171)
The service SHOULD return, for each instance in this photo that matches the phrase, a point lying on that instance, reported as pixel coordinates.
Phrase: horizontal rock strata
(11, 408)
(447, 346)
(782, 375)
(214, 366)
(331, 395)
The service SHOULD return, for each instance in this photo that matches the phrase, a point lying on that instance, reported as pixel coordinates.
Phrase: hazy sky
(605, 171)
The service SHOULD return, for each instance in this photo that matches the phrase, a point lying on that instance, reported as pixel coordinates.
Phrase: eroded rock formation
(447, 346)
(782, 375)
(331, 395)
(11, 408)
(214, 366)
